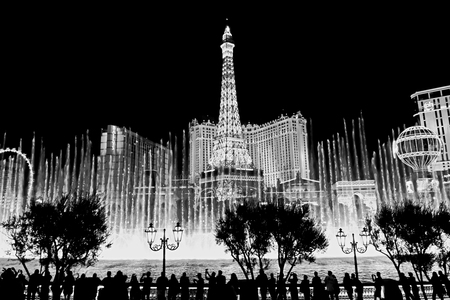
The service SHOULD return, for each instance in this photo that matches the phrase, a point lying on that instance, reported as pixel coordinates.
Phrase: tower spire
(229, 148)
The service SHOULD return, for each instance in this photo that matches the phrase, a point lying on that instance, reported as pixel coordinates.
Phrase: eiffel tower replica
(231, 178)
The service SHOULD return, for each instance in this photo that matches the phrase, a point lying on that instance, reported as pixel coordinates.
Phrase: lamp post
(151, 235)
(341, 241)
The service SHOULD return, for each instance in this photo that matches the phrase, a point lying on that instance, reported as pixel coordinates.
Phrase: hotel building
(279, 147)
(434, 113)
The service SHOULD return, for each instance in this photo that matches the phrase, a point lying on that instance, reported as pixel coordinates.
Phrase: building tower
(434, 113)
(229, 147)
(230, 176)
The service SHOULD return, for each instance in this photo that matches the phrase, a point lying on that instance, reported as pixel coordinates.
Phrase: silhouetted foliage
(251, 230)
(296, 235)
(385, 239)
(19, 234)
(410, 232)
(245, 236)
(443, 243)
(66, 232)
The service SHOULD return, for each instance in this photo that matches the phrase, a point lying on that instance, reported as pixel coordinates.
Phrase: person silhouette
(318, 290)
(146, 281)
(414, 288)
(304, 288)
(271, 285)
(378, 283)
(184, 285)
(444, 280)
(200, 287)
(293, 280)
(262, 281)
(135, 291)
(161, 285)
(406, 286)
(33, 283)
(359, 288)
(108, 286)
(45, 285)
(174, 287)
(348, 286)
(68, 283)
(212, 282)
(437, 286)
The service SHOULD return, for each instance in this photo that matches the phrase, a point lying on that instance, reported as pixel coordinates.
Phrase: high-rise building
(126, 150)
(434, 113)
(279, 147)
(230, 175)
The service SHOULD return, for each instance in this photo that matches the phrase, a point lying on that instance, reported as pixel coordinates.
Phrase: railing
(368, 292)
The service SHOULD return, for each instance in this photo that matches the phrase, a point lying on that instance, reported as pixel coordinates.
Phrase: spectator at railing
(200, 285)
(444, 280)
(332, 286)
(56, 286)
(35, 280)
(271, 284)
(135, 291)
(406, 286)
(318, 288)
(261, 281)
(413, 283)
(68, 283)
(358, 287)
(147, 282)
(221, 286)
(108, 285)
(378, 282)
(304, 288)
(174, 287)
(184, 286)
(232, 290)
(437, 287)
(348, 286)
(212, 281)
(161, 285)
(45, 285)
(293, 281)
(11, 288)
(281, 287)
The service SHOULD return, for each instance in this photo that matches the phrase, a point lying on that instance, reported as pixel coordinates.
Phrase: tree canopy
(252, 230)
(66, 232)
(412, 232)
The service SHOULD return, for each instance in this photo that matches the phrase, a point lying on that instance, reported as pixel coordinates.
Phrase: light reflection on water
(339, 265)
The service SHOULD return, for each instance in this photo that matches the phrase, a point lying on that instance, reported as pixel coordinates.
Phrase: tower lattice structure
(229, 147)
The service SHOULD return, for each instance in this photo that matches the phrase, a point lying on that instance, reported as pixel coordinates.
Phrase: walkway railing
(368, 292)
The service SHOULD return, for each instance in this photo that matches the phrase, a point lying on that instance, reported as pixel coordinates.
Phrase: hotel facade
(279, 148)
(434, 113)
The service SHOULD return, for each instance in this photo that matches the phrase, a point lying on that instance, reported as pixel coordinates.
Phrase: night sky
(154, 70)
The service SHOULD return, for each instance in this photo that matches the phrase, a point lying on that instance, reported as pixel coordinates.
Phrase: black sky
(68, 71)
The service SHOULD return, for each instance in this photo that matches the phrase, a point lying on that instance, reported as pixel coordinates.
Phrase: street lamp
(341, 241)
(151, 235)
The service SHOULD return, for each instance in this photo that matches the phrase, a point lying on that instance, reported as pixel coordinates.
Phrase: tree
(67, 232)
(443, 243)
(18, 232)
(418, 228)
(384, 234)
(243, 233)
(296, 235)
(410, 232)
(251, 230)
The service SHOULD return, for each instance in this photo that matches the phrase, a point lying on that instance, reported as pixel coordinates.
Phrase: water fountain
(349, 185)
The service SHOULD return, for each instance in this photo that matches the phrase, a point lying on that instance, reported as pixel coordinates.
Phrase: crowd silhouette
(14, 285)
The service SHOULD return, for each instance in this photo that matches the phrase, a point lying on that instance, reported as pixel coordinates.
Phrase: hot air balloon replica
(418, 147)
